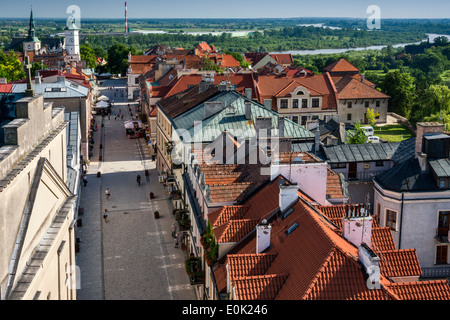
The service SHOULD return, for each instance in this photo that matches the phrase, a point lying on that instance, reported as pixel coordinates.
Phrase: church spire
(32, 29)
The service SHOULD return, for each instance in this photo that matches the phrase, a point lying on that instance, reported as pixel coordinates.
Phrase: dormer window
(300, 93)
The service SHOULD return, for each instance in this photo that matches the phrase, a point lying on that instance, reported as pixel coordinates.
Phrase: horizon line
(217, 18)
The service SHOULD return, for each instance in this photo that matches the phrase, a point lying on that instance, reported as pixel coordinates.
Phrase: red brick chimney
(426, 128)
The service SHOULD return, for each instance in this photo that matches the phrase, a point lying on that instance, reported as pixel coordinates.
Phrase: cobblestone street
(132, 256)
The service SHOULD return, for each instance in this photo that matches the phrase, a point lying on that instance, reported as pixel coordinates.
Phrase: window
(295, 119)
(304, 120)
(349, 104)
(304, 103)
(443, 223)
(295, 103)
(366, 104)
(338, 165)
(315, 102)
(441, 254)
(442, 183)
(283, 103)
(292, 228)
(377, 103)
(136, 81)
(287, 213)
(379, 163)
(391, 219)
(349, 116)
(300, 93)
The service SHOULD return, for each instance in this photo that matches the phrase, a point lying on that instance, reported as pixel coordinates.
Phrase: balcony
(442, 235)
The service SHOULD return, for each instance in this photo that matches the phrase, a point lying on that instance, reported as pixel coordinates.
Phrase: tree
(358, 136)
(118, 58)
(400, 87)
(371, 116)
(87, 54)
(10, 67)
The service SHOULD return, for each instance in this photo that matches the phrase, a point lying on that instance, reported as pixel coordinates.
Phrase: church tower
(31, 43)
(72, 42)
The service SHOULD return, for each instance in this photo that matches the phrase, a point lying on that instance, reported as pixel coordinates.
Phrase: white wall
(420, 220)
(310, 177)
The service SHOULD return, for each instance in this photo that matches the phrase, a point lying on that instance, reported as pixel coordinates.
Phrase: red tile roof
(234, 230)
(240, 80)
(262, 287)
(351, 88)
(271, 86)
(227, 213)
(315, 262)
(382, 239)
(282, 58)
(421, 290)
(341, 65)
(399, 263)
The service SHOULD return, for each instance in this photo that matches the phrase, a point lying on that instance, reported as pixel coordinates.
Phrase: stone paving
(132, 256)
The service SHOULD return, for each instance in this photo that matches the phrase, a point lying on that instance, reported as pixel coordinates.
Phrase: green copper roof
(232, 118)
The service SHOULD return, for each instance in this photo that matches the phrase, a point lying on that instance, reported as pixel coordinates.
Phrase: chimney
(371, 263)
(248, 111)
(263, 123)
(288, 195)
(212, 107)
(248, 93)
(357, 225)
(363, 78)
(281, 126)
(268, 104)
(263, 231)
(424, 128)
(312, 124)
(422, 158)
(317, 140)
(3, 81)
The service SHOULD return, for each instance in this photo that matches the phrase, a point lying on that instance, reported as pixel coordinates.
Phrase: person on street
(107, 194)
(121, 116)
(174, 229)
(84, 180)
(138, 179)
(105, 215)
(176, 242)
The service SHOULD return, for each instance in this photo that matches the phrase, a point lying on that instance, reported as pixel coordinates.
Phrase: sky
(148, 9)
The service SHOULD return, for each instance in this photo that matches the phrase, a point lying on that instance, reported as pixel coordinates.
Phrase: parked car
(373, 139)
(368, 130)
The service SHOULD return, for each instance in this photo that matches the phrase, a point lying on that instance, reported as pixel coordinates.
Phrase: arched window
(300, 93)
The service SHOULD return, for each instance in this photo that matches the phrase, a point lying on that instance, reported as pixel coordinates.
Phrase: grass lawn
(393, 132)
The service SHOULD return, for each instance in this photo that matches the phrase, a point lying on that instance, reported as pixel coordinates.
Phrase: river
(432, 36)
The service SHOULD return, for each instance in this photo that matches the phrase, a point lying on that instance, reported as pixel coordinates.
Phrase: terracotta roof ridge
(230, 184)
(262, 276)
(424, 282)
(397, 250)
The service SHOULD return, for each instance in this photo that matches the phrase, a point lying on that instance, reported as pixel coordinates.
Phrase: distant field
(393, 132)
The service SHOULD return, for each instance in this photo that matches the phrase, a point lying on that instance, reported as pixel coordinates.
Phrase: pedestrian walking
(115, 117)
(138, 179)
(121, 116)
(176, 242)
(85, 181)
(107, 194)
(105, 215)
(174, 229)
